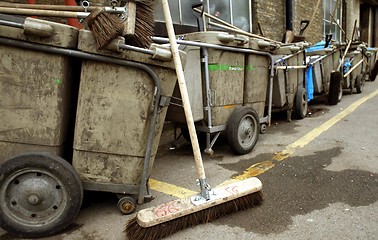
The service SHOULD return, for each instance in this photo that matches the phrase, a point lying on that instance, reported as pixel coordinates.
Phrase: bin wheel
(263, 128)
(243, 130)
(40, 195)
(127, 205)
(335, 88)
(301, 104)
(359, 83)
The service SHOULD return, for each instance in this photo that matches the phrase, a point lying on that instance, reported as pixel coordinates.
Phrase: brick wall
(304, 10)
(352, 14)
(271, 16)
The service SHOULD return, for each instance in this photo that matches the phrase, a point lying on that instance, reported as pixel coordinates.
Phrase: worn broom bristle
(135, 232)
(144, 24)
(104, 26)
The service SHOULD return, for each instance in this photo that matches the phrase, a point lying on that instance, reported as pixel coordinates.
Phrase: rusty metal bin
(35, 89)
(116, 136)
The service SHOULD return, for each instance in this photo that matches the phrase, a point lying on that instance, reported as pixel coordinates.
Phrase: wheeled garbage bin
(353, 71)
(122, 102)
(322, 62)
(35, 90)
(120, 116)
(289, 93)
(40, 193)
(234, 78)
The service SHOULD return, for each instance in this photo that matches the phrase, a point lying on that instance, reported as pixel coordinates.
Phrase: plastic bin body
(373, 57)
(35, 91)
(256, 83)
(226, 76)
(285, 84)
(354, 56)
(324, 62)
(193, 80)
(114, 111)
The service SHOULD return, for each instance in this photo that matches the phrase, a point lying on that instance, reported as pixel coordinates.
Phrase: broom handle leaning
(183, 91)
(347, 48)
(233, 28)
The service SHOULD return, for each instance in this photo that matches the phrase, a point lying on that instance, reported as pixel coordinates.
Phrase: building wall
(271, 17)
(304, 10)
(352, 9)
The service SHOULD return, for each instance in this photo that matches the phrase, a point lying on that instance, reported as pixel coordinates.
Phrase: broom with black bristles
(166, 219)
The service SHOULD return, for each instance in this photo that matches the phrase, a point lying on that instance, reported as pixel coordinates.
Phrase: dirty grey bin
(40, 193)
(223, 90)
(193, 79)
(324, 63)
(289, 93)
(372, 56)
(114, 113)
(353, 73)
(35, 91)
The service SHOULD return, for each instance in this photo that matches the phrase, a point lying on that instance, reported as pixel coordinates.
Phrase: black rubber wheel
(359, 83)
(243, 130)
(127, 205)
(301, 104)
(40, 195)
(374, 72)
(335, 89)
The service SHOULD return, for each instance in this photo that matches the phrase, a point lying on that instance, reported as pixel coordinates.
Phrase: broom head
(104, 26)
(144, 24)
(166, 219)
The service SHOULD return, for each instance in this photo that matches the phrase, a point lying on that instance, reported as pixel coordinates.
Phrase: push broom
(163, 220)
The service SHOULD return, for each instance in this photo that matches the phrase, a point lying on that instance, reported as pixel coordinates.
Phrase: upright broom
(166, 219)
(144, 23)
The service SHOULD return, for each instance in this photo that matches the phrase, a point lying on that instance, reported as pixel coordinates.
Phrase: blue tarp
(346, 67)
(318, 46)
(309, 83)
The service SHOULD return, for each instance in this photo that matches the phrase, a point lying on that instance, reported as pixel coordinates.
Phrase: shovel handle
(303, 26)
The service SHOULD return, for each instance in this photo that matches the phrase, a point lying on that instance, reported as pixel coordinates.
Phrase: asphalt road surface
(319, 174)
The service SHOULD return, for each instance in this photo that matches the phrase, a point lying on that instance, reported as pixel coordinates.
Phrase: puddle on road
(301, 185)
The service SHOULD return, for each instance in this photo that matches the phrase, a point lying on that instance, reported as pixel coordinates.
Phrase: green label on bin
(58, 81)
(225, 67)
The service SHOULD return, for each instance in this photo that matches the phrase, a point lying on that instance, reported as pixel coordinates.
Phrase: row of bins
(104, 111)
(62, 99)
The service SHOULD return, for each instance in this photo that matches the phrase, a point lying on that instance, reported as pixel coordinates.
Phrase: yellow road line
(264, 166)
(170, 189)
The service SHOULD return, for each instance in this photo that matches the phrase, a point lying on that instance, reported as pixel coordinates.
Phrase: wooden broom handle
(38, 12)
(183, 90)
(47, 7)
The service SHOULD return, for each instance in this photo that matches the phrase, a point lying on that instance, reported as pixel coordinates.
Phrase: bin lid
(62, 35)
